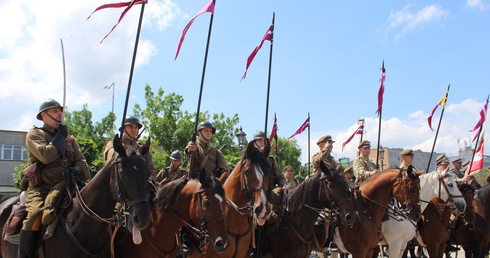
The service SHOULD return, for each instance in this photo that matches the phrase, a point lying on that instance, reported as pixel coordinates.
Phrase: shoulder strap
(206, 156)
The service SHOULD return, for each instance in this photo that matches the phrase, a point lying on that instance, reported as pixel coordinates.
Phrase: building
(13, 152)
(390, 158)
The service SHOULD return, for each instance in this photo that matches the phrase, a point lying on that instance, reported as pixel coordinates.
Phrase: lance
(437, 131)
(309, 161)
(380, 112)
(132, 66)
(476, 145)
(64, 78)
(269, 76)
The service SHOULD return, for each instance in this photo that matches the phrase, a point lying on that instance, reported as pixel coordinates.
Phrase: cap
(325, 138)
(288, 168)
(364, 143)
(348, 170)
(442, 159)
(406, 152)
(457, 159)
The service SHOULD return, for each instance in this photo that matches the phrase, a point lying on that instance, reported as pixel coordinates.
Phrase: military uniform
(362, 166)
(210, 158)
(171, 173)
(109, 153)
(40, 150)
(324, 155)
(289, 184)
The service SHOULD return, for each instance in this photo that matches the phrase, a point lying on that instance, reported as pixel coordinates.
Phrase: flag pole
(437, 131)
(380, 109)
(269, 76)
(277, 140)
(64, 78)
(132, 66)
(309, 162)
(476, 146)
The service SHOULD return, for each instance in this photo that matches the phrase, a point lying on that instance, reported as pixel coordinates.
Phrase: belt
(56, 164)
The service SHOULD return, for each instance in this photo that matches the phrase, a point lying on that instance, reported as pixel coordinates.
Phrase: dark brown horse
(177, 202)
(475, 237)
(324, 190)
(84, 227)
(246, 190)
(371, 202)
(5, 210)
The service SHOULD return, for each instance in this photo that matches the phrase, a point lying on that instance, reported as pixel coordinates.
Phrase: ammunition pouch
(14, 221)
(32, 176)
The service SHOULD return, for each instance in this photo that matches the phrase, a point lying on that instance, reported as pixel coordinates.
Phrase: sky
(326, 62)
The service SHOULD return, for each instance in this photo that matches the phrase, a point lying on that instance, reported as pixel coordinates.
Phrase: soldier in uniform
(349, 175)
(363, 166)
(131, 128)
(407, 160)
(325, 143)
(56, 152)
(458, 174)
(288, 181)
(174, 171)
(208, 156)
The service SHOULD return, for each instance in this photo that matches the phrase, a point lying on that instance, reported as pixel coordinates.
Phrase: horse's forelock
(215, 185)
(258, 158)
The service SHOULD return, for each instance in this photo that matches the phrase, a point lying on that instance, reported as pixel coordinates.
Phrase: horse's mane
(296, 198)
(259, 159)
(214, 184)
(382, 175)
(168, 193)
(483, 195)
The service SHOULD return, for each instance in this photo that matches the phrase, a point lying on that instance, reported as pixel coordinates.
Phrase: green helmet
(176, 155)
(259, 134)
(206, 124)
(50, 103)
(132, 120)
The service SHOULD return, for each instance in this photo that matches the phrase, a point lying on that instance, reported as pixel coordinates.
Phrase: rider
(174, 171)
(56, 152)
(407, 160)
(363, 166)
(325, 143)
(458, 174)
(131, 128)
(210, 160)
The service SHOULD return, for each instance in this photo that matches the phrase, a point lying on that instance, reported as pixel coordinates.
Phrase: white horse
(397, 232)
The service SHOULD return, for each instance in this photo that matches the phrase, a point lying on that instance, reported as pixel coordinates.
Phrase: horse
(475, 237)
(397, 232)
(371, 202)
(246, 190)
(5, 210)
(83, 229)
(324, 190)
(177, 202)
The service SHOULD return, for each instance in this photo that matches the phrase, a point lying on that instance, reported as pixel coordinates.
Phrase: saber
(64, 78)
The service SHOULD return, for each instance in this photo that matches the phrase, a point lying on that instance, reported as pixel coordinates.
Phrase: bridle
(404, 181)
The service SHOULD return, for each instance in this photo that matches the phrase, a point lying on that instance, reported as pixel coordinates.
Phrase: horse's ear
(267, 147)
(410, 171)
(250, 149)
(324, 169)
(146, 147)
(202, 177)
(118, 146)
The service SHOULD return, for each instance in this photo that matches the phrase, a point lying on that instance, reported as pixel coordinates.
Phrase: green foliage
(18, 175)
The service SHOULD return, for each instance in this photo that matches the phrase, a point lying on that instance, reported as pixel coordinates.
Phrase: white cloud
(407, 20)
(476, 4)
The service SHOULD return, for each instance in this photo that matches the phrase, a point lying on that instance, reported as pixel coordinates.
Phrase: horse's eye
(206, 203)
(450, 184)
(247, 172)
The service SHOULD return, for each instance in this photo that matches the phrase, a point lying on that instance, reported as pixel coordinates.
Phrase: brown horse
(176, 203)
(246, 189)
(5, 210)
(475, 237)
(324, 190)
(371, 202)
(84, 227)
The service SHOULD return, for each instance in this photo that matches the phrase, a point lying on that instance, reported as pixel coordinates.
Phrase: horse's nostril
(219, 242)
(136, 219)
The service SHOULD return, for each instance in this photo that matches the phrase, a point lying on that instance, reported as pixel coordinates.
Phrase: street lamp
(241, 137)
(382, 156)
(113, 86)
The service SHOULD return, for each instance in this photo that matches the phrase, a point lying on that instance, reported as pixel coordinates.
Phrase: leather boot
(28, 243)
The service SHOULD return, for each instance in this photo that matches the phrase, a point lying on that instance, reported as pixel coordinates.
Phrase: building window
(13, 152)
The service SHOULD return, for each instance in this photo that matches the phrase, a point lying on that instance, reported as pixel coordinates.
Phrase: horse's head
(468, 192)
(406, 191)
(129, 183)
(335, 192)
(448, 190)
(256, 178)
(208, 211)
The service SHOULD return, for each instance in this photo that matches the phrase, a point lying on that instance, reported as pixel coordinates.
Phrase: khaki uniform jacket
(171, 174)
(325, 157)
(362, 166)
(214, 159)
(278, 177)
(38, 142)
(109, 153)
(290, 184)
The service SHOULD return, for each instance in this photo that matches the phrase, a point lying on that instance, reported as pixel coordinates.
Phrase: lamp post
(382, 156)
(240, 137)
(113, 86)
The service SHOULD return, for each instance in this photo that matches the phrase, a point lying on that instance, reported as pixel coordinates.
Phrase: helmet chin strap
(50, 116)
(126, 132)
(203, 136)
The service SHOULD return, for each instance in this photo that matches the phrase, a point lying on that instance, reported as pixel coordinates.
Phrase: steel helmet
(206, 124)
(132, 120)
(50, 103)
(259, 134)
(176, 155)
